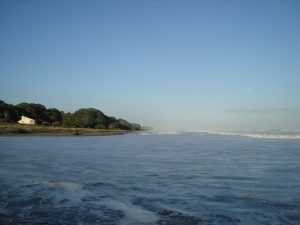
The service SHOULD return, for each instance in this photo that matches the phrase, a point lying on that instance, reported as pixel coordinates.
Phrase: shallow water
(149, 179)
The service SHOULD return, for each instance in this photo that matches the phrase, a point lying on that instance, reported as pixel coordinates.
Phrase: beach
(35, 130)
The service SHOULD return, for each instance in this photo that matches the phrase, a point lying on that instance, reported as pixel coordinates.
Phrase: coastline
(29, 130)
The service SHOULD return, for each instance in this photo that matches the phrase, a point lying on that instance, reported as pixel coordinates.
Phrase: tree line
(82, 118)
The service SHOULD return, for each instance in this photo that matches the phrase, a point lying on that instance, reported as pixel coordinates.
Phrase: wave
(160, 133)
(295, 135)
(272, 136)
(132, 213)
(269, 134)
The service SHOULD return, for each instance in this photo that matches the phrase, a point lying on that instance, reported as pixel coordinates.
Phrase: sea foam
(132, 214)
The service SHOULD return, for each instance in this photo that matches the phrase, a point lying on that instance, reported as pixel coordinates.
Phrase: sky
(167, 64)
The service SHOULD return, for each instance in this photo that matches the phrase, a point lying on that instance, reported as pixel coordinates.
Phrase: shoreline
(57, 134)
(26, 130)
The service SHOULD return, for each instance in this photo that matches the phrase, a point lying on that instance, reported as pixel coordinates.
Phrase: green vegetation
(82, 118)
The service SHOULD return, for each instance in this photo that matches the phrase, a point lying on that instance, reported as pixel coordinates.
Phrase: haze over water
(149, 178)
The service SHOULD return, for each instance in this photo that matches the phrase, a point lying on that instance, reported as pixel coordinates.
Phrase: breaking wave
(272, 134)
(259, 134)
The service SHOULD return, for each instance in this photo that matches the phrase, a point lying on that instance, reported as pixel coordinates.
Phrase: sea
(150, 178)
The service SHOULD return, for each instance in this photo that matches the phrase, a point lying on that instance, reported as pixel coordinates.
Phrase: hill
(82, 118)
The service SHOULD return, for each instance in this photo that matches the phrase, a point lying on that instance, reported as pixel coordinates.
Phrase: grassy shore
(36, 130)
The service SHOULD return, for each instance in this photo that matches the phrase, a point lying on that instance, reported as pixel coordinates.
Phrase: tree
(83, 118)
(53, 115)
(32, 110)
(8, 113)
(89, 118)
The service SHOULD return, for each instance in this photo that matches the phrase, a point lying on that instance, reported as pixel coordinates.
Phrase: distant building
(26, 120)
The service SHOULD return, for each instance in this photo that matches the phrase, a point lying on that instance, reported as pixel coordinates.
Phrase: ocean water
(149, 179)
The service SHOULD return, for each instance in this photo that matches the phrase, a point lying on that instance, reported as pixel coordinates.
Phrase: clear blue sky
(167, 64)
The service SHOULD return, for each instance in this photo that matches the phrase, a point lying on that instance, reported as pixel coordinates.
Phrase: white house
(26, 120)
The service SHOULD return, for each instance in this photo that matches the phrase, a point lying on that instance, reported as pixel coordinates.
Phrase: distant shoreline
(56, 134)
(33, 130)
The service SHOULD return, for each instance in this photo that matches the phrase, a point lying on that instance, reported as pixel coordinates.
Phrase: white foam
(272, 136)
(159, 133)
(72, 191)
(282, 134)
(133, 214)
(67, 185)
(144, 133)
(70, 186)
(168, 132)
(254, 135)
